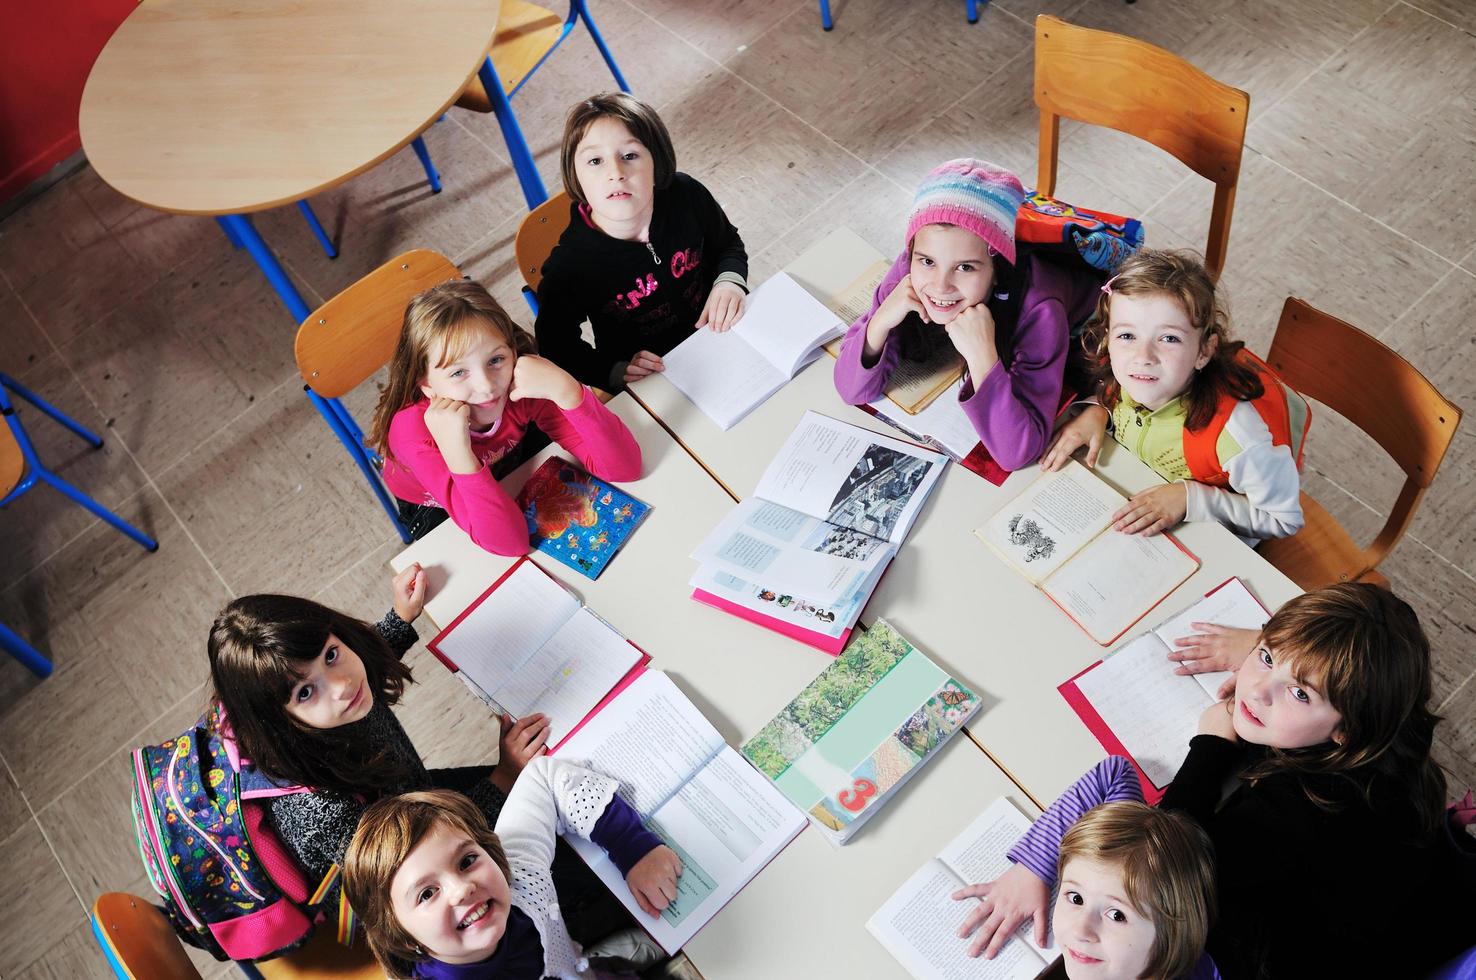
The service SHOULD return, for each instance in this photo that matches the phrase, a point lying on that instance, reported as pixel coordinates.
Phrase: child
(1190, 403)
(648, 255)
(464, 388)
(1136, 891)
(441, 895)
(957, 283)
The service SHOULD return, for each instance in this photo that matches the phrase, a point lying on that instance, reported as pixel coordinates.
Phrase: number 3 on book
(854, 799)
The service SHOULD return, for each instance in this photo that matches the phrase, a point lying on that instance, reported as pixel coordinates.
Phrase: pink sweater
(416, 471)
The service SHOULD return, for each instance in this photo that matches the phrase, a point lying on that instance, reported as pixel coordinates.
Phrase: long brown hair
(258, 647)
(638, 117)
(1362, 647)
(1181, 276)
(388, 831)
(445, 319)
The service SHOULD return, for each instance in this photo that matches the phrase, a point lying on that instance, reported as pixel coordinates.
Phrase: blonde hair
(638, 117)
(447, 318)
(388, 831)
(1168, 870)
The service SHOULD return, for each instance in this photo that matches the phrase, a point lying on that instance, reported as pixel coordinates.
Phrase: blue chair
(972, 11)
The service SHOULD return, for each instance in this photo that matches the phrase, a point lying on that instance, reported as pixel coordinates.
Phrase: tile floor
(153, 330)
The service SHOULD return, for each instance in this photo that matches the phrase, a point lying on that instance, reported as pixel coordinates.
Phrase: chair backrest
(1123, 83)
(351, 336)
(138, 941)
(537, 236)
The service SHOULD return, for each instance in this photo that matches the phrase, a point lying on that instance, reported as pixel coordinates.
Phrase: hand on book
(409, 592)
(520, 741)
(642, 364)
(1088, 428)
(1153, 510)
(1213, 648)
(653, 880)
(724, 307)
(1012, 898)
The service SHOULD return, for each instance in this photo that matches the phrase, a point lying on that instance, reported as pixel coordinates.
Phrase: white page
(569, 674)
(786, 324)
(851, 476)
(651, 738)
(509, 626)
(980, 853)
(1230, 605)
(942, 420)
(1053, 518)
(1116, 579)
(722, 375)
(725, 825)
(919, 926)
(1152, 711)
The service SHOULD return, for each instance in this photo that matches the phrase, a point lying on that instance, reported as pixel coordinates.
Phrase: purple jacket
(1013, 407)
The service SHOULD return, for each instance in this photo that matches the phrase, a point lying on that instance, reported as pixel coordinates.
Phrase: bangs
(1308, 654)
(458, 338)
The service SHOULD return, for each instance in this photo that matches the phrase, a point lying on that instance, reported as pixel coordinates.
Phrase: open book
(1138, 707)
(859, 730)
(919, 924)
(827, 516)
(724, 819)
(527, 645)
(1058, 534)
(727, 375)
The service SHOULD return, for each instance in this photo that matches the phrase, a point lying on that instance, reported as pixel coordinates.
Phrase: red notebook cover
(820, 641)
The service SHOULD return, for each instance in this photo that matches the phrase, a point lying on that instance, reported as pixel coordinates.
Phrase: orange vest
(1286, 413)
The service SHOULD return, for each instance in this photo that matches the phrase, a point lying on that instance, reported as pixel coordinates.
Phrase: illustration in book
(577, 518)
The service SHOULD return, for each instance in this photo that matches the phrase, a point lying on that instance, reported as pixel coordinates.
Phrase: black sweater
(1304, 891)
(637, 295)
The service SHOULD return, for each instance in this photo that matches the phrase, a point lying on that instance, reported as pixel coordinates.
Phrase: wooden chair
(1123, 83)
(140, 944)
(536, 238)
(1340, 366)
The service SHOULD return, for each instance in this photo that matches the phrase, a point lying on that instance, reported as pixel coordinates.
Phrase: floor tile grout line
(36, 818)
(1432, 16)
(1440, 281)
(804, 218)
(1449, 699)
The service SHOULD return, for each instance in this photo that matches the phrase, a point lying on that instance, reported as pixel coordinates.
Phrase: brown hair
(258, 647)
(1362, 647)
(1182, 276)
(388, 831)
(447, 318)
(642, 121)
(1168, 869)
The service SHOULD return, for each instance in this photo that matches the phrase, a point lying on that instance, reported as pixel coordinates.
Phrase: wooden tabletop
(231, 106)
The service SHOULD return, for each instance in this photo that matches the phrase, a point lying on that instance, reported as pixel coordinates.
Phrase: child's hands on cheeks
(724, 308)
(1213, 648)
(538, 377)
(653, 880)
(1088, 428)
(409, 592)
(972, 333)
(1009, 900)
(1153, 510)
(519, 742)
(1218, 718)
(644, 363)
(448, 421)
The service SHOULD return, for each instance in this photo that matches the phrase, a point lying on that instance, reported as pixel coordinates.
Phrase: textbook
(821, 527)
(1058, 534)
(577, 518)
(1135, 704)
(919, 924)
(724, 820)
(727, 375)
(859, 730)
(527, 645)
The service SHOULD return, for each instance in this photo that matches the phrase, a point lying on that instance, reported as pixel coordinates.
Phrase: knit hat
(975, 195)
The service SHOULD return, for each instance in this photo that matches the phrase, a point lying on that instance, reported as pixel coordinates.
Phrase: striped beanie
(977, 196)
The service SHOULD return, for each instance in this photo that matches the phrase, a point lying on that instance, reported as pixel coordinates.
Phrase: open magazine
(919, 924)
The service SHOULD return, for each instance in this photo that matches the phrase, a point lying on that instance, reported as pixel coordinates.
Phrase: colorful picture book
(1058, 534)
(859, 730)
(919, 924)
(577, 518)
(1135, 704)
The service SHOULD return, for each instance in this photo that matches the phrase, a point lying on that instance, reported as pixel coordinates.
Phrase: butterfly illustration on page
(953, 698)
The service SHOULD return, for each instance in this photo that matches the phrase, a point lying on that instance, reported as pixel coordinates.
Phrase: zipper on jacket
(1142, 434)
(652, 249)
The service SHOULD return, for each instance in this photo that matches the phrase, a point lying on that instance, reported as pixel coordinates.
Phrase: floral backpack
(1103, 240)
(229, 885)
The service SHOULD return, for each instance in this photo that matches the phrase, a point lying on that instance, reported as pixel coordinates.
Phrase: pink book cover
(820, 641)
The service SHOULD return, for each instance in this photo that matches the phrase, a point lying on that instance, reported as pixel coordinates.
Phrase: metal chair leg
(532, 299)
(317, 227)
(238, 227)
(78, 497)
(432, 178)
(973, 11)
(33, 660)
(52, 412)
(599, 41)
(825, 20)
(360, 456)
(517, 147)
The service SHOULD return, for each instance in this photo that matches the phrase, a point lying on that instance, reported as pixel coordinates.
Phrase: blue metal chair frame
(312, 222)
(33, 660)
(972, 12)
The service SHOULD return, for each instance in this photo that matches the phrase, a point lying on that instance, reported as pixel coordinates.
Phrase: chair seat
(1321, 553)
(525, 33)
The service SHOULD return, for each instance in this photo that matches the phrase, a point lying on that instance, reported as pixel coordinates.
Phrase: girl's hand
(644, 363)
(653, 881)
(448, 421)
(1153, 510)
(1088, 428)
(520, 742)
(1009, 900)
(724, 308)
(538, 377)
(1218, 719)
(972, 333)
(409, 591)
(901, 301)
(1213, 648)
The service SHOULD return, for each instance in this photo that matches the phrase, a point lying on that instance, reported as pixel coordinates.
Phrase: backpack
(1102, 240)
(1286, 413)
(229, 885)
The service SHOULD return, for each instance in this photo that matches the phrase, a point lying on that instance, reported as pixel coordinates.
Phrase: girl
(441, 895)
(1136, 891)
(1198, 408)
(648, 255)
(464, 388)
(957, 283)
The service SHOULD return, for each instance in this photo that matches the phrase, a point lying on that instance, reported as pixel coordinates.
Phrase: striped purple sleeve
(1108, 781)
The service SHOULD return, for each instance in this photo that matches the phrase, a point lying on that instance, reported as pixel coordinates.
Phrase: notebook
(576, 518)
